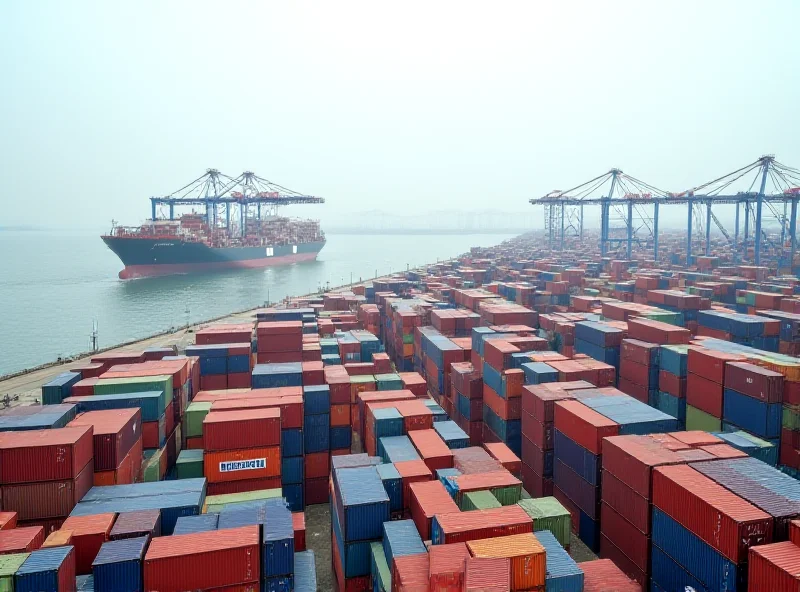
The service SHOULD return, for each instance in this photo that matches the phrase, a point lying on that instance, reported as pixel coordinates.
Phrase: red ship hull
(143, 271)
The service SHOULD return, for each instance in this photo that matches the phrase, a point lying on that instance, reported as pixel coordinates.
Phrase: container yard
(520, 418)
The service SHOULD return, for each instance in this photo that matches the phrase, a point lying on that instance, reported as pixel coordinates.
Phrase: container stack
(310, 469)
(118, 447)
(671, 398)
(600, 341)
(753, 400)
(702, 532)
(751, 330)
(242, 450)
(639, 369)
(467, 392)
(359, 508)
(538, 405)
(45, 473)
(705, 388)
(279, 342)
(223, 366)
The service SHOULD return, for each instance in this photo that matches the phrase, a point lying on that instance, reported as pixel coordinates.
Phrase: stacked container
(279, 341)
(638, 370)
(44, 473)
(118, 448)
(242, 450)
(705, 388)
(671, 398)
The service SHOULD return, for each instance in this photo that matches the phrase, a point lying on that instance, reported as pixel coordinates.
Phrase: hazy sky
(399, 106)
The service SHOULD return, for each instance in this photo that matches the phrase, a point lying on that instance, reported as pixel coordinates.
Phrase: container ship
(238, 227)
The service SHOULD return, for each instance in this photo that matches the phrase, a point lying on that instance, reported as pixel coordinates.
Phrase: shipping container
(47, 570)
(487, 574)
(136, 524)
(203, 561)
(118, 565)
(468, 526)
(44, 455)
(235, 430)
(446, 571)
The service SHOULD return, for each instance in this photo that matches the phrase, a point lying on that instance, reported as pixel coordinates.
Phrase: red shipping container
(316, 490)
(44, 455)
(21, 540)
(88, 535)
(631, 459)
(497, 353)
(539, 400)
(84, 388)
(630, 505)
(602, 575)
(194, 443)
(502, 453)
(291, 407)
(474, 460)
(114, 433)
(754, 381)
(672, 384)
(239, 380)
(412, 471)
(774, 568)
(235, 430)
(213, 382)
(313, 373)
(535, 484)
(427, 499)
(637, 391)
(583, 425)
(135, 524)
(238, 465)
(538, 433)
(299, 527)
(484, 524)
(487, 575)
(340, 415)
(317, 464)
(633, 543)
(719, 517)
(203, 561)
(47, 499)
(244, 485)
(416, 415)
(657, 332)
(434, 452)
(636, 373)
(710, 364)
(704, 394)
(794, 532)
(637, 351)
(410, 573)
(446, 573)
(608, 550)
(8, 520)
(415, 383)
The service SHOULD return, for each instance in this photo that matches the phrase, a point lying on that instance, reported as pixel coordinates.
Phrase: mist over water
(55, 283)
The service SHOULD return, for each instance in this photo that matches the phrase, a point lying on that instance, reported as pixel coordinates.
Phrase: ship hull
(152, 257)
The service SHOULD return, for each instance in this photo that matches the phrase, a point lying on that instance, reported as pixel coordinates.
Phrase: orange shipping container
(239, 465)
(526, 553)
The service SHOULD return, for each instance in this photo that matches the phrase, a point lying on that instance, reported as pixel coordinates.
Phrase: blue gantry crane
(221, 194)
(630, 210)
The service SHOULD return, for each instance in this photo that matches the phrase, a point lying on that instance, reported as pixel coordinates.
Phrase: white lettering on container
(243, 465)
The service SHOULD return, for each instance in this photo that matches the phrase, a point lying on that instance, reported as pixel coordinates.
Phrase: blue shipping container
(118, 566)
(194, 524)
(361, 503)
(292, 470)
(393, 484)
(452, 434)
(401, 537)
(316, 399)
(397, 449)
(355, 555)
(317, 433)
(341, 437)
(278, 375)
(563, 574)
(40, 571)
(292, 442)
(577, 458)
(305, 572)
(278, 539)
(539, 373)
(757, 417)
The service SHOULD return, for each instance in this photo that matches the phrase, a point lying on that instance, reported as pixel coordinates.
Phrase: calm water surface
(53, 284)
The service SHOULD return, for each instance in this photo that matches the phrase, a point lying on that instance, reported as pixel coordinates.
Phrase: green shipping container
(135, 384)
(479, 500)
(189, 464)
(379, 570)
(389, 382)
(9, 564)
(152, 465)
(700, 420)
(549, 514)
(791, 417)
(215, 503)
(195, 414)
